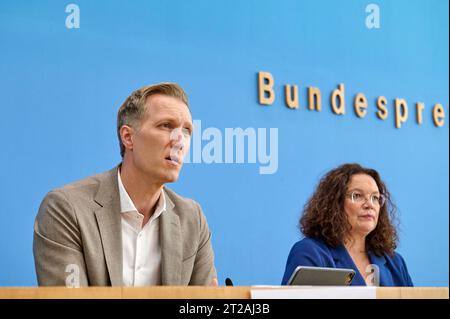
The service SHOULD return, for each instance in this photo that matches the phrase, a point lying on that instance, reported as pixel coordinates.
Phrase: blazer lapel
(109, 224)
(343, 259)
(171, 246)
(384, 275)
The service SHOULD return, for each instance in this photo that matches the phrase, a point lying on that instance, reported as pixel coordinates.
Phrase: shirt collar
(127, 205)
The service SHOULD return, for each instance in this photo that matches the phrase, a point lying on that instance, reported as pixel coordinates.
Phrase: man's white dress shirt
(141, 248)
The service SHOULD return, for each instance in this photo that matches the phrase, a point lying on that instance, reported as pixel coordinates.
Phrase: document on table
(312, 292)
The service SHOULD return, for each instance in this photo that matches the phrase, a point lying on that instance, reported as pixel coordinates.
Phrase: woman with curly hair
(349, 223)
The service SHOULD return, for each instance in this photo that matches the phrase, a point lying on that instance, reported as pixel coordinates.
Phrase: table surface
(195, 292)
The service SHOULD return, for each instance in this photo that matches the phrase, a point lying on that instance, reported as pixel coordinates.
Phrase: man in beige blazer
(124, 227)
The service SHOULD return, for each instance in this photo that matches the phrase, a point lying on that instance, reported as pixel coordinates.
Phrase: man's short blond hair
(132, 110)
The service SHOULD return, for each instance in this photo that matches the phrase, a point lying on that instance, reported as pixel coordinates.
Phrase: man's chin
(171, 178)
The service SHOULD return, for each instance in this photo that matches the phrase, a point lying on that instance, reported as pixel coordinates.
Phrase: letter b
(265, 86)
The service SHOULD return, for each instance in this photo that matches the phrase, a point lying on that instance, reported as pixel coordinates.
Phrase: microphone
(228, 282)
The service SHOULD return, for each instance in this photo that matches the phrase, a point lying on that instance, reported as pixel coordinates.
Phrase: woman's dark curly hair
(324, 216)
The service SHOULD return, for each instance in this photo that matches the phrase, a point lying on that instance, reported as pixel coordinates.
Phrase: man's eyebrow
(166, 117)
(174, 120)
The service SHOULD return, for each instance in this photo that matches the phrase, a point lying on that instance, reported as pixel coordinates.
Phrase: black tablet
(319, 276)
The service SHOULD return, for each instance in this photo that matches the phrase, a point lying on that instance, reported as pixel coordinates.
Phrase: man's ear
(126, 136)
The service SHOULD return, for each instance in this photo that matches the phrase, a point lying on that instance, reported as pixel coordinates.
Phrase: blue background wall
(60, 90)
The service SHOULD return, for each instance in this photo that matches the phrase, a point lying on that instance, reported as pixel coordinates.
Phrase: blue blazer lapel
(343, 259)
(384, 274)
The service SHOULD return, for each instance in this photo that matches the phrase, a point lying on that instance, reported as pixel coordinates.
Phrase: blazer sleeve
(303, 253)
(57, 247)
(204, 271)
(406, 278)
